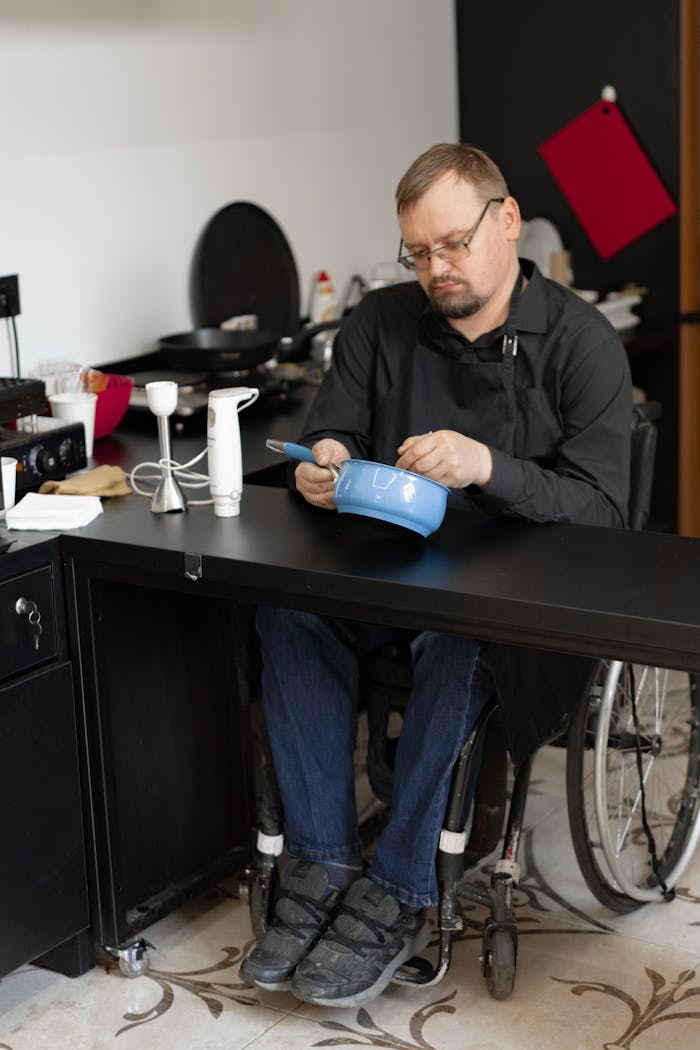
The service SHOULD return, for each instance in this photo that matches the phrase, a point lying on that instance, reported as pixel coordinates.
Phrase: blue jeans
(310, 670)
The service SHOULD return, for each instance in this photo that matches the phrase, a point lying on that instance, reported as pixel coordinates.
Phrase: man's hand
(448, 457)
(314, 481)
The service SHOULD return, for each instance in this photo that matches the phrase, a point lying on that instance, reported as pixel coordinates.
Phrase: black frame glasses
(448, 252)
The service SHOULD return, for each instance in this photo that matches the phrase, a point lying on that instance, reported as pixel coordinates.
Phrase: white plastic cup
(9, 477)
(76, 407)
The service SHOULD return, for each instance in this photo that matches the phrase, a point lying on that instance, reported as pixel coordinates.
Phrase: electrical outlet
(9, 296)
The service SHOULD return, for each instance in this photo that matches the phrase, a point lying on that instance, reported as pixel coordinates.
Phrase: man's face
(448, 212)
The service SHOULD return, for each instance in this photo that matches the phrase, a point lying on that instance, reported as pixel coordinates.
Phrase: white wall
(128, 123)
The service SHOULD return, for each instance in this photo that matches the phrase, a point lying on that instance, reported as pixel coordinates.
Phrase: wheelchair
(632, 779)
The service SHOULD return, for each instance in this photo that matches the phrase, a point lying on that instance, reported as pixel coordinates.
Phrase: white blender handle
(224, 446)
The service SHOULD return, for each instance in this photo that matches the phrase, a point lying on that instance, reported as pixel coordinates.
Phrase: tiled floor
(585, 979)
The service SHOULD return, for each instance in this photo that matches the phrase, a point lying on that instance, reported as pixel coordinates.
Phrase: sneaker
(356, 958)
(305, 908)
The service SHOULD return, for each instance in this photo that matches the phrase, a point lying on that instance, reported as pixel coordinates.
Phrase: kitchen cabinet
(169, 803)
(43, 887)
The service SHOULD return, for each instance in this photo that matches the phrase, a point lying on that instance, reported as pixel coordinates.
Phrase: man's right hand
(313, 480)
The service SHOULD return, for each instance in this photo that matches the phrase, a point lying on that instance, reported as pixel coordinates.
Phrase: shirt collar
(532, 313)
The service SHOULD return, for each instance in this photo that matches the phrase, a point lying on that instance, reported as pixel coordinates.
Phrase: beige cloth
(102, 481)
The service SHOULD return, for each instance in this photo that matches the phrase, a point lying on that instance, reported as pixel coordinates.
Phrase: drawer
(17, 652)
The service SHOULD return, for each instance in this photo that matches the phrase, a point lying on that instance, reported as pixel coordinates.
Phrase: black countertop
(598, 591)
(603, 592)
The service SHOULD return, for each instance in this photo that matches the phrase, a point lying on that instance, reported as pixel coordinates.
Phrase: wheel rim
(668, 726)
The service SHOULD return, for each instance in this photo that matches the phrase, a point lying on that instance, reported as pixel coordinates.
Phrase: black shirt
(399, 369)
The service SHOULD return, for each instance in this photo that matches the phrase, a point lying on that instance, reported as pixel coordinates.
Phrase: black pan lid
(243, 265)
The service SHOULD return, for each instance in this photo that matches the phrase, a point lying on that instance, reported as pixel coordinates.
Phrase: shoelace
(379, 929)
(317, 910)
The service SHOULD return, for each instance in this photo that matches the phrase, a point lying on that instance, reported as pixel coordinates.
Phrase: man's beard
(455, 305)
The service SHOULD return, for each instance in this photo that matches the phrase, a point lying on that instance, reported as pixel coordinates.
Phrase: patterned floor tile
(585, 979)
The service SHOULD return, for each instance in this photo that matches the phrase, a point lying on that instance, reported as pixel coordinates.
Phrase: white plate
(538, 239)
(618, 310)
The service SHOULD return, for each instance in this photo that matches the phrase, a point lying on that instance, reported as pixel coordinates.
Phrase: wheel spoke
(603, 782)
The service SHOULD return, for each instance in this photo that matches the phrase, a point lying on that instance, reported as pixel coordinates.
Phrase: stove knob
(42, 460)
(67, 453)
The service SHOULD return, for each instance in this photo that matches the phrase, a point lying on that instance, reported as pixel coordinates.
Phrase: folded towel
(57, 513)
(102, 481)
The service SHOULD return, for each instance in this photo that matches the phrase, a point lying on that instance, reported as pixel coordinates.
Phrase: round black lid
(243, 265)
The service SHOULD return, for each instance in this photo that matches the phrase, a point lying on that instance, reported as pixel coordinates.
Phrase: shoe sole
(267, 986)
(416, 945)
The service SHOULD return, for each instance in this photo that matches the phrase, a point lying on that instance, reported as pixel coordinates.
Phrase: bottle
(324, 304)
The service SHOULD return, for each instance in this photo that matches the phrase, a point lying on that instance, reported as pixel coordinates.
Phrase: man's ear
(510, 216)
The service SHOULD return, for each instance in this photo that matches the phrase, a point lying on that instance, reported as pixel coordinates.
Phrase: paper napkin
(36, 511)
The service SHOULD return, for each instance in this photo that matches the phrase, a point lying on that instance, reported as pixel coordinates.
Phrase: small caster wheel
(133, 958)
(499, 963)
(243, 891)
(132, 966)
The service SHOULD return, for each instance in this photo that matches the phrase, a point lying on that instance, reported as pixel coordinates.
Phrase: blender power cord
(186, 478)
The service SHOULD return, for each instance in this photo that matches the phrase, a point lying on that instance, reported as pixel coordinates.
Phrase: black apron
(407, 410)
(537, 690)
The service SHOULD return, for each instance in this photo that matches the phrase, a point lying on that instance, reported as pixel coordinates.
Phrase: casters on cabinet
(133, 957)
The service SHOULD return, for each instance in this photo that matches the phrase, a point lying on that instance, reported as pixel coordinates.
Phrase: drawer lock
(26, 607)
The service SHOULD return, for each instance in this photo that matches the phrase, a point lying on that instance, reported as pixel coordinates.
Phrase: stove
(194, 388)
(46, 449)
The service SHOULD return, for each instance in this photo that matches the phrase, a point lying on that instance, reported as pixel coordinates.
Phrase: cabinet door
(43, 893)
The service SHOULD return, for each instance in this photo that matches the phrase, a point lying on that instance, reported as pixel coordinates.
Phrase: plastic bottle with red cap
(324, 303)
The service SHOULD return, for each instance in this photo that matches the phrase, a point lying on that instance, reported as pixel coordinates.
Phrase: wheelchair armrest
(646, 412)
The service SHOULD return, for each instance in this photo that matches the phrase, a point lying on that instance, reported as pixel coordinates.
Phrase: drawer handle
(26, 607)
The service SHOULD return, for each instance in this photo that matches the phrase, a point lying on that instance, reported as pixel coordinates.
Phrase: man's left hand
(446, 456)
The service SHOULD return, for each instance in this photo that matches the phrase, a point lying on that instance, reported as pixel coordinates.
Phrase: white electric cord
(187, 479)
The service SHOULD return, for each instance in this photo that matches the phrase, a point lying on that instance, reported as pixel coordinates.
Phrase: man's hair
(466, 163)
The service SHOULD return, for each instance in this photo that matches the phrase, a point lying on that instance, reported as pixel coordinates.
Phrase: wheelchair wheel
(499, 964)
(604, 789)
(499, 943)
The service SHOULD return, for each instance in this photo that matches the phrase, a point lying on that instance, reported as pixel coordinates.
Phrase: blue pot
(377, 490)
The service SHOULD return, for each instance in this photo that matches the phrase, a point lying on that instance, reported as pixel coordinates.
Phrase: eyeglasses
(451, 251)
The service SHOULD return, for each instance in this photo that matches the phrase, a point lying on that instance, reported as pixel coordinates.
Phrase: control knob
(42, 460)
(67, 453)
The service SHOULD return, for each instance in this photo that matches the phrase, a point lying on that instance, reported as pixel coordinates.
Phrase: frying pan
(242, 265)
(216, 349)
(377, 490)
(221, 349)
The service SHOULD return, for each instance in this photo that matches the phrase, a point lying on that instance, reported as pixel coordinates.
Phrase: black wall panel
(526, 70)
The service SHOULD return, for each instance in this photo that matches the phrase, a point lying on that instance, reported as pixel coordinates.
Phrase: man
(516, 394)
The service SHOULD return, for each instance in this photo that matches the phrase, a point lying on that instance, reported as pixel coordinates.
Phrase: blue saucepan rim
(397, 470)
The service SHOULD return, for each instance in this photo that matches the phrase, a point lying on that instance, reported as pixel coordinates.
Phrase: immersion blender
(224, 447)
(162, 401)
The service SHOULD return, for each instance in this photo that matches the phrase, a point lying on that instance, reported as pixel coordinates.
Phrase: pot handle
(297, 347)
(289, 448)
(294, 451)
